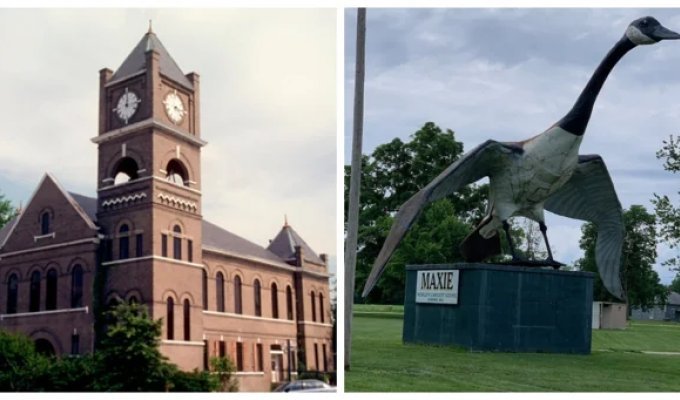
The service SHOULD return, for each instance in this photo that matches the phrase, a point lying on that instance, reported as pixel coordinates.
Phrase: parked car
(305, 385)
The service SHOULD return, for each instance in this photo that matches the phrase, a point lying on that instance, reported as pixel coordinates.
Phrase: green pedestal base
(505, 308)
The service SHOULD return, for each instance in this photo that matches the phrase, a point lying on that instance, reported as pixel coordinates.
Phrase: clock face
(174, 107)
(127, 105)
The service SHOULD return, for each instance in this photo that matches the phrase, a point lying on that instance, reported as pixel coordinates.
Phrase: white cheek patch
(638, 37)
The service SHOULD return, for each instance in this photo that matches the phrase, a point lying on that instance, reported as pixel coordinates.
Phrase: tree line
(396, 170)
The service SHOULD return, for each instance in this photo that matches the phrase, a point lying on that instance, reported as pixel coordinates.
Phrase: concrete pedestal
(504, 308)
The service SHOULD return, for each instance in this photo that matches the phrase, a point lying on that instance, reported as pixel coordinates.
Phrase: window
(205, 289)
(187, 320)
(219, 291)
(171, 319)
(108, 249)
(125, 171)
(321, 307)
(133, 300)
(313, 306)
(316, 356)
(177, 243)
(190, 251)
(260, 360)
(34, 301)
(258, 298)
(77, 286)
(164, 245)
(45, 223)
(51, 295)
(238, 308)
(289, 302)
(222, 348)
(205, 355)
(123, 242)
(239, 356)
(75, 344)
(139, 245)
(325, 360)
(12, 293)
(176, 173)
(275, 300)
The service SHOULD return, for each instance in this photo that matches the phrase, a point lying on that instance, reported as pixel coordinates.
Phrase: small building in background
(607, 315)
(660, 312)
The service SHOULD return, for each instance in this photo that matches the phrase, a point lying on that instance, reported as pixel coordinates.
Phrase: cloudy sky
(508, 74)
(268, 99)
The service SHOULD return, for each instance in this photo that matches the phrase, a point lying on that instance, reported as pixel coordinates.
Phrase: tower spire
(285, 220)
(150, 27)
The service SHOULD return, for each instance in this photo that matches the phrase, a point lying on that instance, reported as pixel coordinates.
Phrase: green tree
(675, 285)
(640, 282)
(7, 212)
(130, 355)
(18, 362)
(390, 176)
(668, 215)
(225, 370)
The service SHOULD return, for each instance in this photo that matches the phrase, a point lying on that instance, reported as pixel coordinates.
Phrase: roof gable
(136, 61)
(68, 220)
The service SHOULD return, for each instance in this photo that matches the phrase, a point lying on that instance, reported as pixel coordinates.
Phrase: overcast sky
(268, 100)
(508, 74)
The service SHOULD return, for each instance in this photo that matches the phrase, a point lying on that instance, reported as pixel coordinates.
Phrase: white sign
(438, 287)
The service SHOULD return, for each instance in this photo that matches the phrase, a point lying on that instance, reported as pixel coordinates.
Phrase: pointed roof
(283, 245)
(136, 61)
(5, 230)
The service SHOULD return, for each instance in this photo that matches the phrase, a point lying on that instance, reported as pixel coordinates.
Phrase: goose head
(647, 30)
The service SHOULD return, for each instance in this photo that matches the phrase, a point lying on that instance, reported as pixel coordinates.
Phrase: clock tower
(149, 191)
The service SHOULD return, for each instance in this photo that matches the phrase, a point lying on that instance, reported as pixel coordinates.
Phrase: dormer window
(45, 223)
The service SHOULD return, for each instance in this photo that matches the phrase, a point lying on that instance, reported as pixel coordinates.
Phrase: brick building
(144, 239)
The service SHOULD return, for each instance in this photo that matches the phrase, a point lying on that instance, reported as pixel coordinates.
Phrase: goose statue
(544, 172)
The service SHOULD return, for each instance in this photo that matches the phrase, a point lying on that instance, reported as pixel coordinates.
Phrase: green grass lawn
(381, 362)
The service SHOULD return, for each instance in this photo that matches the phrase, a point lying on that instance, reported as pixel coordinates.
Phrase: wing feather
(473, 166)
(589, 195)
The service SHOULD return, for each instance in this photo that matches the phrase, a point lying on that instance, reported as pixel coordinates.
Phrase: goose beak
(661, 33)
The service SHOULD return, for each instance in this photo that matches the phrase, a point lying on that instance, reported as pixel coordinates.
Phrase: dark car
(305, 385)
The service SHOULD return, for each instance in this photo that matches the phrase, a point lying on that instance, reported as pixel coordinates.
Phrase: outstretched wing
(589, 195)
(473, 166)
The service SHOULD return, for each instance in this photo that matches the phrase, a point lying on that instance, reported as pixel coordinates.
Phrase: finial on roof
(21, 207)
(285, 220)
(150, 30)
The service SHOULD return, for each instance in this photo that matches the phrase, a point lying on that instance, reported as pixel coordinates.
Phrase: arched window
(34, 299)
(258, 298)
(289, 302)
(238, 307)
(124, 242)
(77, 286)
(219, 291)
(44, 347)
(177, 243)
(176, 173)
(187, 320)
(45, 223)
(275, 300)
(205, 289)
(51, 295)
(313, 306)
(133, 300)
(171, 319)
(12, 293)
(125, 171)
(321, 318)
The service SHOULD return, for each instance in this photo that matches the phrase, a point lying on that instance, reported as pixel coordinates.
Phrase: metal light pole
(355, 182)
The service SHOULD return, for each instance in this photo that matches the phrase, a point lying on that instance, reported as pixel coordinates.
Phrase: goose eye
(643, 22)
